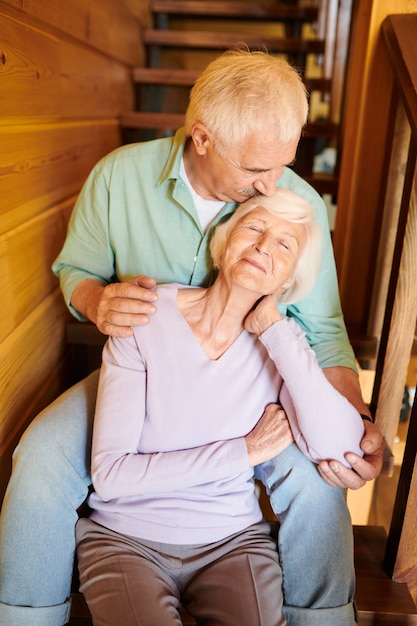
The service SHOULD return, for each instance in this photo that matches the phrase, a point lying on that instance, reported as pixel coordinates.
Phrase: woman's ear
(289, 283)
(200, 138)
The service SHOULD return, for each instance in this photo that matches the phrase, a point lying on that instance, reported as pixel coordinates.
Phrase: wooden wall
(64, 80)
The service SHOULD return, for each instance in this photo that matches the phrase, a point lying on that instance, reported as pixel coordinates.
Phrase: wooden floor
(380, 601)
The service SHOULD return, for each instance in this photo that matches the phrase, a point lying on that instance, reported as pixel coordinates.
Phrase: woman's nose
(263, 243)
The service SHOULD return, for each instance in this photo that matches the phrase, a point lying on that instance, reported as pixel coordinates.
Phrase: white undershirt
(206, 209)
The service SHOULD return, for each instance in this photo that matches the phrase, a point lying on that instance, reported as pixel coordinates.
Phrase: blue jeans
(51, 478)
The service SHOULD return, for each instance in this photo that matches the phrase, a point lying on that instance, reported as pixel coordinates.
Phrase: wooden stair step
(179, 76)
(222, 41)
(150, 120)
(235, 10)
(167, 121)
(320, 129)
(323, 182)
(379, 599)
(162, 76)
(187, 78)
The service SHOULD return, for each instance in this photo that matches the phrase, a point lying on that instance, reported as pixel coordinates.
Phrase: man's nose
(266, 184)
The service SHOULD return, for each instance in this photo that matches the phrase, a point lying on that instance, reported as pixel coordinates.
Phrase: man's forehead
(262, 156)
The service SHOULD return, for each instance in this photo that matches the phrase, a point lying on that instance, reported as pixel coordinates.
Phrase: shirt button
(195, 259)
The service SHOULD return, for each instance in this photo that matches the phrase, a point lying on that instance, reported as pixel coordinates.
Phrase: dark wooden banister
(398, 329)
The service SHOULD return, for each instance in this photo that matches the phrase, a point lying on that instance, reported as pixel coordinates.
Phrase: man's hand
(363, 469)
(116, 307)
(271, 435)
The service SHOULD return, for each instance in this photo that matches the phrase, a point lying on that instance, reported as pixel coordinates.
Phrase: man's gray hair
(242, 93)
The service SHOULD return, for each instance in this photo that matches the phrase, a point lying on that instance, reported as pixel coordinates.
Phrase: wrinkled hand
(123, 305)
(363, 469)
(271, 435)
(263, 315)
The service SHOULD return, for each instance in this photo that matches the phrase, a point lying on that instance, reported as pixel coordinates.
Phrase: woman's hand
(271, 435)
(263, 315)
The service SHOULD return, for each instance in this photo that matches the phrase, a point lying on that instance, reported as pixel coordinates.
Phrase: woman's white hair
(242, 93)
(291, 207)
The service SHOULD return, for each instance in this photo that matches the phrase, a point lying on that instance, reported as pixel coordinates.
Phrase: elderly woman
(175, 518)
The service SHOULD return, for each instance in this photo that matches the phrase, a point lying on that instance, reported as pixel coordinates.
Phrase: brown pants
(234, 582)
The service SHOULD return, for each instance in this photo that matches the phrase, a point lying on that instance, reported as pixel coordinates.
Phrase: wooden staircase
(192, 32)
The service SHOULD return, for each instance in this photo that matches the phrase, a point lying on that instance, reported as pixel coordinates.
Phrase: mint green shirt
(135, 215)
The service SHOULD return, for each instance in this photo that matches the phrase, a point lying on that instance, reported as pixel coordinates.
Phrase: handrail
(400, 38)
(400, 41)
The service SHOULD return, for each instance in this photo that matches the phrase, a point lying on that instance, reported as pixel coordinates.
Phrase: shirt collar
(172, 165)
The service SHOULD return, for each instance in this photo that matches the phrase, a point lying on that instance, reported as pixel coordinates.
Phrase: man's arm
(363, 469)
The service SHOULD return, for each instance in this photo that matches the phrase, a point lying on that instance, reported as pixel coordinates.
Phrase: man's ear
(200, 137)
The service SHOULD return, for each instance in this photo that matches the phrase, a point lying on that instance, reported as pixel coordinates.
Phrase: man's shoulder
(294, 182)
(132, 151)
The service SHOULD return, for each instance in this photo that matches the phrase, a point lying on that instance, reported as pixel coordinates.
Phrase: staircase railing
(399, 323)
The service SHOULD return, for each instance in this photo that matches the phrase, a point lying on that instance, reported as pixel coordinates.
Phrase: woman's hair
(291, 207)
(242, 92)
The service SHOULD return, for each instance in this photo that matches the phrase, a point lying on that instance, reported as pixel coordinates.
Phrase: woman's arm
(324, 423)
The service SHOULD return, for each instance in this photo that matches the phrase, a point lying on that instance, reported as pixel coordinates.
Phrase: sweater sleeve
(324, 424)
(118, 468)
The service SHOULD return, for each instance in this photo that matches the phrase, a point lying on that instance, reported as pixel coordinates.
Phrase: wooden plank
(398, 331)
(69, 17)
(400, 38)
(401, 552)
(92, 86)
(44, 77)
(115, 31)
(162, 76)
(15, 4)
(186, 78)
(29, 70)
(221, 41)
(377, 596)
(27, 357)
(162, 121)
(26, 256)
(321, 129)
(236, 10)
(88, 22)
(139, 10)
(42, 165)
(172, 121)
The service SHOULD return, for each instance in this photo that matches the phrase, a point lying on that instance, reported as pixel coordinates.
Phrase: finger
(340, 476)
(367, 467)
(131, 291)
(372, 441)
(117, 306)
(112, 330)
(121, 325)
(327, 478)
(143, 281)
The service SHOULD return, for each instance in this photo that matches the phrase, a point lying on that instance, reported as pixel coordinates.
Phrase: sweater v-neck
(228, 353)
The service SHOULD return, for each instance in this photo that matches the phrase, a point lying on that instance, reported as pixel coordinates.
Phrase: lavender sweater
(169, 460)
